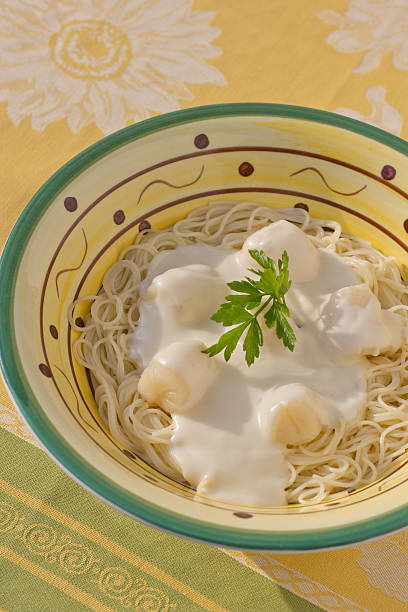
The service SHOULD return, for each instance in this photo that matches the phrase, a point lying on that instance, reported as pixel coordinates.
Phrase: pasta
(336, 461)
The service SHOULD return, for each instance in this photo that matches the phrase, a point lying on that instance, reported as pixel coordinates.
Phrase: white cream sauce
(231, 439)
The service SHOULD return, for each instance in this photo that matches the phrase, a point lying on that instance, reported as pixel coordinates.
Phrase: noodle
(334, 462)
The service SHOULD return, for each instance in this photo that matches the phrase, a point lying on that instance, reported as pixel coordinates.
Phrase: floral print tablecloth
(72, 71)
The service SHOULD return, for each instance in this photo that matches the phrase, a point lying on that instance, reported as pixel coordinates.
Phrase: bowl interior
(152, 175)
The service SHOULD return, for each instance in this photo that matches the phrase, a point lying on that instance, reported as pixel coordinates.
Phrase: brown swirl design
(311, 168)
(163, 182)
(76, 399)
(72, 269)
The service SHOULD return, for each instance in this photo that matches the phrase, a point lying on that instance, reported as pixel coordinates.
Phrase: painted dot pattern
(244, 515)
(201, 141)
(54, 332)
(128, 453)
(79, 322)
(144, 225)
(131, 455)
(119, 217)
(302, 206)
(406, 225)
(71, 204)
(45, 370)
(388, 172)
(246, 169)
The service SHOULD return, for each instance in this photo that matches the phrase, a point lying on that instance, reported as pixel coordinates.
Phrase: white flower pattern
(102, 61)
(385, 561)
(374, 26)
(382, 114)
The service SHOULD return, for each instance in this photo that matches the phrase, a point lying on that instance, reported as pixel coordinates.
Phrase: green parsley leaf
(271, 315)
(270, 288)
(229, 341)
(269, 283)
(249, 301)
(253, 340)
(262, 259)
(258, 272)
(228, 314)
(284, 331)
(245, 286)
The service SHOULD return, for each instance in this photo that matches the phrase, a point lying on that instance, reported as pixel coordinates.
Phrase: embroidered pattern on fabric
(42, 540)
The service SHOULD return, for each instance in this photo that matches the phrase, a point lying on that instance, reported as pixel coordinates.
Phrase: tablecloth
(74, 70)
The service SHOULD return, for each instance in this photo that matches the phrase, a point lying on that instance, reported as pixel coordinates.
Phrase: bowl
(150, 175)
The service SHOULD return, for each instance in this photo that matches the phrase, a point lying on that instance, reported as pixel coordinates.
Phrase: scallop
(292, 414)
(357, 325)
(190, 291)
(274, 239)
(178, 376)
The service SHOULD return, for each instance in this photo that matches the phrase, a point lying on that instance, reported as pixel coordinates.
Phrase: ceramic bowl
(150, 175)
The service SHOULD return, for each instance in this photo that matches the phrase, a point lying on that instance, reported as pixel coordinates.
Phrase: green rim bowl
(150, 175)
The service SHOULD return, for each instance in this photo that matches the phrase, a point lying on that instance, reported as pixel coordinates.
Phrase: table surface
(61, 548)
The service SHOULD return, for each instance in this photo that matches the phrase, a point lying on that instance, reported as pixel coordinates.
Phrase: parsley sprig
(268, 290)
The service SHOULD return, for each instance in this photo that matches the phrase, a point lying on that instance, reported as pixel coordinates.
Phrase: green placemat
(63, 549)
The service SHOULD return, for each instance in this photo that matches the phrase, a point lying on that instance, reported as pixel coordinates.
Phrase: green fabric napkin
(61, 549)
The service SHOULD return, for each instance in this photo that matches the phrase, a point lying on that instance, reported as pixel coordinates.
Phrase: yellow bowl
(152, 174)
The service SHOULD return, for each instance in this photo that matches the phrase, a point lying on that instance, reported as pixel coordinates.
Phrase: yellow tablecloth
(72, 71)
